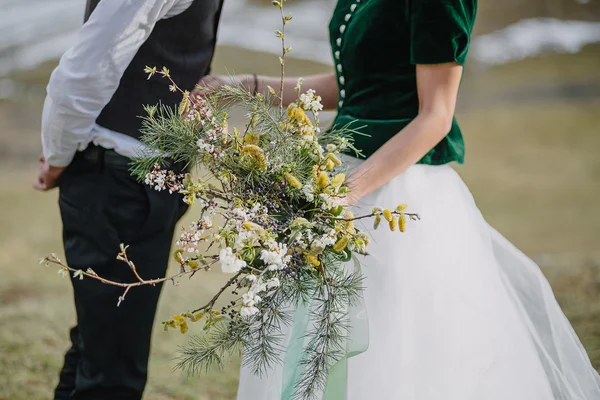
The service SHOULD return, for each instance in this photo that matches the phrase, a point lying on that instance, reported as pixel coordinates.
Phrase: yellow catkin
(177, 255)
(178, 319)
(387, 214)
(293, 181)
(193, 264)
(301, 117)
(393, 224)
(376, 222)
(291, 110)
(183, 328)
(329, 165)
(251, 138)
(334, 158)
(257, 154)
(185, 103)
(401, 207)
(312, 260)
(323, 179)
(402, 222)
(338, 180)
(341, 244)
(349, 226)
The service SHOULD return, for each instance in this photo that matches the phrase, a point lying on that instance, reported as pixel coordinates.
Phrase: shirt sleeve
(89, 72)
(440, 30)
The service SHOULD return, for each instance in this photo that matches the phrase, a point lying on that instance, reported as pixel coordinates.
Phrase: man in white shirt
(90, 130)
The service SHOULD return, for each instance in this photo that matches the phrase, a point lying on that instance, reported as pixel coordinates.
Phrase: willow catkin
(393, 224)
(293, 181)
(387, 214)
(402, 222)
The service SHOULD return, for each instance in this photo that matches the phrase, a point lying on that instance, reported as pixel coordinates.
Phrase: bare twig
(127, 286)
(216, 297)
(283, 52)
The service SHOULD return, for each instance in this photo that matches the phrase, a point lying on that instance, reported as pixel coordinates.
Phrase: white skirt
(455, 311)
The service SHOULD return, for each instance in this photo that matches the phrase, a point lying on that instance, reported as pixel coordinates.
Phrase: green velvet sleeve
(440, 30)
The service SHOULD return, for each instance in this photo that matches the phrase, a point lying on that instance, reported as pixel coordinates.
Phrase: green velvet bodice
(376, 46)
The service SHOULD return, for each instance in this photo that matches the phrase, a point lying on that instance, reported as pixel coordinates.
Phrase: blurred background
(529, 107)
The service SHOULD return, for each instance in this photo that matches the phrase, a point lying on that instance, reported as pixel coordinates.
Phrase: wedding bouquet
(271, 212)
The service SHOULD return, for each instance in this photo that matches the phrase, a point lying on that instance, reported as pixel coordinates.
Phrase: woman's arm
(437, 88)
(325, 85)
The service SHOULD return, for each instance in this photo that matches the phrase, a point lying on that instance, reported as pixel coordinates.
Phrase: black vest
(184, 44)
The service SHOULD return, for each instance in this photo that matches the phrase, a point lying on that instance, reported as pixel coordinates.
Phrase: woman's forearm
(325, 85)
(398, 154)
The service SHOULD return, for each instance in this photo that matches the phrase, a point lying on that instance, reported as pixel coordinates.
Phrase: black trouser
(102, 205)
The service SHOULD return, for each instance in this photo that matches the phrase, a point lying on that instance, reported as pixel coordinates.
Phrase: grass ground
(532, 167)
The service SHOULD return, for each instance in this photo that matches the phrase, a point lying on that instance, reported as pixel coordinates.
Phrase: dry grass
(532, 167)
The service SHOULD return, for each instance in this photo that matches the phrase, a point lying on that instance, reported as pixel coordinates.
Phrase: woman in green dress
(455, 312)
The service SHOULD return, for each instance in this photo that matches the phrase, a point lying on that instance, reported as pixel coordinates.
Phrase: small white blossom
(272, 283)
(248, 311)
(311, 102)
(308, 192)
(239, 213)
(299, 84)
(331, 147)
(320, 243)
(251, 299)
(246, 237)
(275, 258)
(230, 263)
(329, 202)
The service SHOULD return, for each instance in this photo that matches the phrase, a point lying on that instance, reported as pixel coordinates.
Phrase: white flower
(246, 237)
(311, 102)
(206, 222)
(308, 192)
(230, 263)
(329, 202)
(63, 272)
(251, 299)
(240, 213)
(251, 278)
(248, 311)
(331, 147)
(277, 257)
(272, 283)
(320, 243)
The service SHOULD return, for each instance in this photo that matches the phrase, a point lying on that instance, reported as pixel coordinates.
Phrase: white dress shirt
(89, 73)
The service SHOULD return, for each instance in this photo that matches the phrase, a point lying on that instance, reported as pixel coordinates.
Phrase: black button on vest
(184, 44)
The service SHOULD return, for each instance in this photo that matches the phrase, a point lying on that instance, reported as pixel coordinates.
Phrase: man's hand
(47, 176)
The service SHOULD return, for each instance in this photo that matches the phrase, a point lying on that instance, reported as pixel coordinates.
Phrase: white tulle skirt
(455, 311)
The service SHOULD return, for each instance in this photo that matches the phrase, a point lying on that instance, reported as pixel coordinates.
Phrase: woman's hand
(210, 83)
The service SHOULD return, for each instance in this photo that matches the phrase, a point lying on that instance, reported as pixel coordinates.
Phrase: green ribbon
(357, 341)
